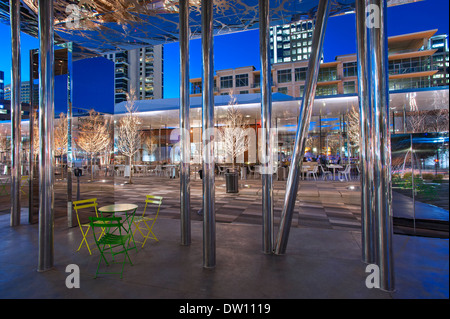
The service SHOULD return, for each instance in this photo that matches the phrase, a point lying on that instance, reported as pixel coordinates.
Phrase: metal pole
(303, 126)
(209, 219)
(46, 114)
(379, 97)
(185, 136)
(32, 129)
(266, 125)
(365, 115)
(16, 113)
(69, 133)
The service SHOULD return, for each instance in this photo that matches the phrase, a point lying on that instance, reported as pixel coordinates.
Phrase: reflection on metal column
(46, 114)
(266, 125)
(31, 158)
(69, 133)
(366, 161)
(209, 219)
(185, 135)
(379, 99)
(16, 112)
(303, 126)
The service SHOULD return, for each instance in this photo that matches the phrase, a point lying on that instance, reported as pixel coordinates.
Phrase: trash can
(232, 182)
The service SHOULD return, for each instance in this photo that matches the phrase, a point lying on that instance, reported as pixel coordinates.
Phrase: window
(284, 76)
(300, 74)
(326, 90)
(349, 87)
(327, 74)
(226, 82)
(243, 92)
(350, 69)
(283, 90)
(241, 80)
(302, 90)
(196, 87)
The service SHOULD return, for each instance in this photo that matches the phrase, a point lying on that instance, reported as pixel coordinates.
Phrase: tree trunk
(131, 170)
(92, 168)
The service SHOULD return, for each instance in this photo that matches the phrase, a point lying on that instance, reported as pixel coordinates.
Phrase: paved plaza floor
(323, 257)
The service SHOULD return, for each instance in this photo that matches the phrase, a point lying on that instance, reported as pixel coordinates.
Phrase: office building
(416, 60)
(2, 85)
(139, 71)
(291, 42)
(24, 92)
(440, 58)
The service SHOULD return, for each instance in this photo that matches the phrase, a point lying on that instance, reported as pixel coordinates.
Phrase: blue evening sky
(230, 51)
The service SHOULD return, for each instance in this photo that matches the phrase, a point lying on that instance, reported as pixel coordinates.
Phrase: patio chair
(23, 181)
(312, 172)
(345, 173)
(255, 170)
(147, 220)
(222, 170)
(85, 204)
(158, 170)
(111, 241)
(325, 173)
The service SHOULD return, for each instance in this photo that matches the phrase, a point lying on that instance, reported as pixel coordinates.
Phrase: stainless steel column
(32, 128)
(366, 161)
(209, 218)
(379, 99)
(16, 113)
(185, 135)
(46, 115)
(69, 133)
(303, 126)
(266, 125)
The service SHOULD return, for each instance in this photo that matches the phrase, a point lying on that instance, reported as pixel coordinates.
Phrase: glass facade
(291, 42)
(226, 82)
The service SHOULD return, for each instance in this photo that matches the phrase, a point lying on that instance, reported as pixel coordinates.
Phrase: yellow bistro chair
(149, 221)
(84, 228)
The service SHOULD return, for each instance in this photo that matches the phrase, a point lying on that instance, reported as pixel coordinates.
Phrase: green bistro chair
(146, 222)
(115, 243)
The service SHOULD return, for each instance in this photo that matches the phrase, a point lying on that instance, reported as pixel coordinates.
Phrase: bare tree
(233, 134)
(129, 134)
(151, 143)
(94, 135)
(353, 127)
(60, 137)
(5, 145)
(416, 121)
(437, 120)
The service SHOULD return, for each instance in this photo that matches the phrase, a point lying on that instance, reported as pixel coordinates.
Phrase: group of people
(322, 160)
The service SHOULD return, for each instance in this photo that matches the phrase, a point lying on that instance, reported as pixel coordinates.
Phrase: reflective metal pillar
(303, 126)
(46, 115)
(32, 128)
(185, 135)
(209, 218)
(379, 99)
(69, 133)
(366, 161)
(266, 125)
(16, 113)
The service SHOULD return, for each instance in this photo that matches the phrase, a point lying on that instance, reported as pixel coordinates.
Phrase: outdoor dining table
(128, 209)
(334, 166)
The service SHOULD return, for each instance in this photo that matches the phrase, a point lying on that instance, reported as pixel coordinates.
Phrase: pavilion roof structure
(115, 25)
